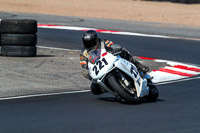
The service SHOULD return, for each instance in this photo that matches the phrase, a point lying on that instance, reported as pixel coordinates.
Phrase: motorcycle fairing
(107, 62)
(131, 70)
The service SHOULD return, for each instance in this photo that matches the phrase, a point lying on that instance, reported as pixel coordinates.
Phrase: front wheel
(114, 83)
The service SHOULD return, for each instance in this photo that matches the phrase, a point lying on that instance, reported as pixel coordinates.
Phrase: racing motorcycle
(120, 77)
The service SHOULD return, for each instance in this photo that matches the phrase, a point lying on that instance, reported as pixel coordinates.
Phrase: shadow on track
(116, 100)
(45, 56)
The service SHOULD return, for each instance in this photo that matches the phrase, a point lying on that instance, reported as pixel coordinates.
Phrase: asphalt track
(176, 110)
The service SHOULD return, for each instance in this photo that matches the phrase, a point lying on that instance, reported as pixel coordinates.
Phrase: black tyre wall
(180, 1)
(18, 26)
(115, 85)
(19, 39)
(18, 51)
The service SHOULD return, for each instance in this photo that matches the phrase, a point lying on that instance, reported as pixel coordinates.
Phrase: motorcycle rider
(92, 41)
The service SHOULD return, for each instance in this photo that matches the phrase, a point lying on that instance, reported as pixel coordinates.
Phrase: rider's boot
(96, 89)
(140, 67)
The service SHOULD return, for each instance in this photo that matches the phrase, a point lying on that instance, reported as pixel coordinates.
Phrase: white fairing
(107, 62)
(100, 68)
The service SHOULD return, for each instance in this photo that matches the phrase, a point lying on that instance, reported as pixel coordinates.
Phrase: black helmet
(90, 39)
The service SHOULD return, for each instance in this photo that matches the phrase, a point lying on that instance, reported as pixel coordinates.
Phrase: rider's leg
(125, 54)
(139, 66)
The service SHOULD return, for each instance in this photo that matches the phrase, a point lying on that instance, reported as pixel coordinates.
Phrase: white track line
(175, 81)
(63, 49)
(40, 95)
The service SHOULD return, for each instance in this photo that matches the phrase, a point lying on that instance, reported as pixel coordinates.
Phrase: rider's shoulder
(106, 41)
(84, 52)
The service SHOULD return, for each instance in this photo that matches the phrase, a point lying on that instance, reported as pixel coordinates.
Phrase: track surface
(176, 111)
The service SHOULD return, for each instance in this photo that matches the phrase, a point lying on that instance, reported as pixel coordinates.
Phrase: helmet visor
(90, 44)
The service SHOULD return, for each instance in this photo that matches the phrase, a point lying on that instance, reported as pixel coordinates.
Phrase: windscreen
(94, 55)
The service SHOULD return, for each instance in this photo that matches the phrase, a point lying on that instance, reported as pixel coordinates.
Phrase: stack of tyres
(18, 37)
(186, 1)
(180, 1)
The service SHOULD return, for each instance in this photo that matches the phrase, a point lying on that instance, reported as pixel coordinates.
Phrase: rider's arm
(115, 48)
(83, 61)
(111, 47)
(84, 66)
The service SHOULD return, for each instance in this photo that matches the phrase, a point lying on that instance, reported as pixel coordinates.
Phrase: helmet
(90, 39)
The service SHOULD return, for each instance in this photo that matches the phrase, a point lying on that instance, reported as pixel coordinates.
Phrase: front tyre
(118, 88)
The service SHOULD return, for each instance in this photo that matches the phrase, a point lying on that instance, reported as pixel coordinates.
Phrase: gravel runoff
(52, 71)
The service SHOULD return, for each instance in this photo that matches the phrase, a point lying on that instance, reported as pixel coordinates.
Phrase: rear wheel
(115, 84)
(153, 93)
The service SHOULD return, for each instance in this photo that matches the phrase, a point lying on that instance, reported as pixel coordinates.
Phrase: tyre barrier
(18, 37)
(180, 1)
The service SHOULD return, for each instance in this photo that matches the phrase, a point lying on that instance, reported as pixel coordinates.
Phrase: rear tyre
(153, 93)
(18, 51)
(118, 88)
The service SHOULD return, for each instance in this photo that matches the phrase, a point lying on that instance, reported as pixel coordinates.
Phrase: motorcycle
(120, 77)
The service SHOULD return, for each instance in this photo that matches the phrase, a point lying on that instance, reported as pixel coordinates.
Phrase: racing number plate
(99, 65)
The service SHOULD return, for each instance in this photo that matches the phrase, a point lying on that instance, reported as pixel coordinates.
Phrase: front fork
(149, 79)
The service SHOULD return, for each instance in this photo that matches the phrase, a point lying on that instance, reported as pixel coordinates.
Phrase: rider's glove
(89, 77)
(116, 51)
